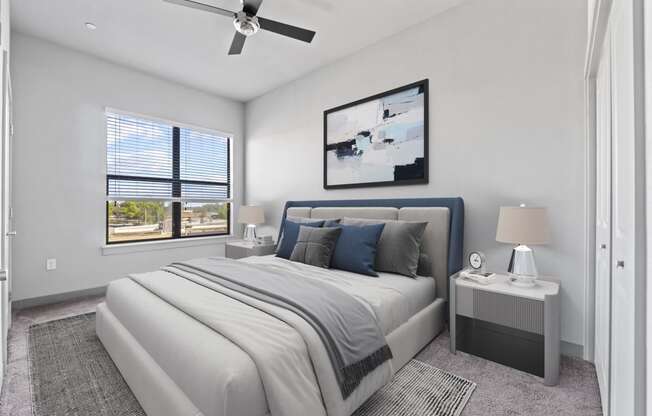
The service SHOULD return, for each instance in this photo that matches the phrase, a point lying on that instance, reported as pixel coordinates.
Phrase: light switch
(50, 264)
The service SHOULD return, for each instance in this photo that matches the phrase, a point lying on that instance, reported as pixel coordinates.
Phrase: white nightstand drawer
(499, 308)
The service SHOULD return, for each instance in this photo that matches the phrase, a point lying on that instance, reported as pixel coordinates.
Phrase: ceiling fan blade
(286, 30)
(251, 6)
(201, 6)
(237, 44)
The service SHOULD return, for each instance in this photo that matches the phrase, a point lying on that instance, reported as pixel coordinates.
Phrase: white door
(603, 225)
(623, 288)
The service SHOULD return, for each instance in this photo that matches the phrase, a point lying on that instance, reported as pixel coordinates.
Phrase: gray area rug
(72, 374)
(420, 389)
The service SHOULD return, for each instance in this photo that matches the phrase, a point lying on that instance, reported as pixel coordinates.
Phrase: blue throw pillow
(356, 248)
(290, 234)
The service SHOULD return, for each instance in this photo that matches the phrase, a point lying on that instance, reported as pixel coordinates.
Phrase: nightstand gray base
(515, 331)
(504, 345)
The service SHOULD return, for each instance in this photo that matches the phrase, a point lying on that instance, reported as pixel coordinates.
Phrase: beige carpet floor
(501, 391)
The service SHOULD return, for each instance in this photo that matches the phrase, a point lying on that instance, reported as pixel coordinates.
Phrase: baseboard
(57, 298)
(572, 350)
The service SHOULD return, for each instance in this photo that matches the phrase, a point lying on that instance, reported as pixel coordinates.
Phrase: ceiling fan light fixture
(245, 24)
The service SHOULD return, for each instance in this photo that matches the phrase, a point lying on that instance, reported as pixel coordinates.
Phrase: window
(165, 181)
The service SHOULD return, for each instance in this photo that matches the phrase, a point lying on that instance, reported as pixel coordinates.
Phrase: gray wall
(506, 114)
(59, 162)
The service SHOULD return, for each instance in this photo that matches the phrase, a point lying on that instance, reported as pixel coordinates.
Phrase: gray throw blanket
(350, 333)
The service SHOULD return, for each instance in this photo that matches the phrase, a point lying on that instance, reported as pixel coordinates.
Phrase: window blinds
(204, 157)
(138, 147)
(204, 165)
(154, 160)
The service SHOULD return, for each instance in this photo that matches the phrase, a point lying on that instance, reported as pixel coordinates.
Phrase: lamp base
(522, 269)
(522, 281)
(250, 233)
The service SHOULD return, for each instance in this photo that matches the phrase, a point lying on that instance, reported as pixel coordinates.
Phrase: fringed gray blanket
(350, 333)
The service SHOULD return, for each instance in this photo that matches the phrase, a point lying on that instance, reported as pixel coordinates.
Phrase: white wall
(506, 117)
(590, 12)
(59, 158)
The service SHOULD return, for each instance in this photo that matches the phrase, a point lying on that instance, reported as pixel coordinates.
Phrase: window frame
(176, 182)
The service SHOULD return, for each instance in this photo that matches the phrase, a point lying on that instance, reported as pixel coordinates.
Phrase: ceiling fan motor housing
(246, 24)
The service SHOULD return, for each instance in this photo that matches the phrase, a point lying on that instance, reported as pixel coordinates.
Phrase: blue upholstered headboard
(454, 205)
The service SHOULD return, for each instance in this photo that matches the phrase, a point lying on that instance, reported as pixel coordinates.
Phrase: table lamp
(251, 215)
(523, 225)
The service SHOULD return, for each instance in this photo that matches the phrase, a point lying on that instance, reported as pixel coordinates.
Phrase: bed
(178, 364)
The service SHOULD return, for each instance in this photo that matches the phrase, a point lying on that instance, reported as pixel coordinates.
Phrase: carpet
(72, 374)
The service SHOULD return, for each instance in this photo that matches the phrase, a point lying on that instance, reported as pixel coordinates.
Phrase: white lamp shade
(249, 214)
(523, 225)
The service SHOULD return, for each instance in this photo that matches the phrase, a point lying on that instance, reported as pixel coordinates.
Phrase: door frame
(640, 274)
(647, 16)
(7, 186)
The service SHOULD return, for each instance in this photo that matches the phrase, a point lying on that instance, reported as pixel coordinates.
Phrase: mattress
(393, 298)
(215, 374)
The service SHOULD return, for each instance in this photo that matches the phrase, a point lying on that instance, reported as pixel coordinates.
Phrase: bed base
(159, 395)
(155, 390)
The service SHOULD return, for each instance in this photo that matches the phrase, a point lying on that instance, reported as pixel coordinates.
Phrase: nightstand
(514, 326)
(240, 249)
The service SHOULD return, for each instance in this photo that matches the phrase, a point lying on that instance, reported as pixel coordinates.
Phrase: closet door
(623, 268)
(603, 225)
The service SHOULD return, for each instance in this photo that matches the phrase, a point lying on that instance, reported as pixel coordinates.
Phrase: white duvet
(292, 363)
(392, 298)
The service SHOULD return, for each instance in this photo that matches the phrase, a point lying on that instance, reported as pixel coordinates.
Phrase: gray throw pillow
(315, 246)
(425, 265)
(331, 223)
(399, 246)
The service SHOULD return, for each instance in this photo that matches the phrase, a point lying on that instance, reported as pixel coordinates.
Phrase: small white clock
(477, 261)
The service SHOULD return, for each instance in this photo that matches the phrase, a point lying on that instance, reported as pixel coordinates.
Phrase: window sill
(141, 246)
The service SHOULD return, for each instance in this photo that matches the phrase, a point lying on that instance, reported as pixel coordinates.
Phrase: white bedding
(394, 298)
(216, 374)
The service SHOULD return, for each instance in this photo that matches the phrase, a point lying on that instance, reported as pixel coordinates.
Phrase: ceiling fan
(247, 23)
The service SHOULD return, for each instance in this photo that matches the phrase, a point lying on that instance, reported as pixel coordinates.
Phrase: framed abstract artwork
(380, 140)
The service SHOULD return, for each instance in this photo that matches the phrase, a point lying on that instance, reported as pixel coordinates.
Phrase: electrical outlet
(50, 264)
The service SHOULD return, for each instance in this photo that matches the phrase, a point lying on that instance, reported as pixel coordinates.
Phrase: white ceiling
(190, 46)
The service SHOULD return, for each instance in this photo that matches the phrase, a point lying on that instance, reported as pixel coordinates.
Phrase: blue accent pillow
(290, 234)
(356, 248)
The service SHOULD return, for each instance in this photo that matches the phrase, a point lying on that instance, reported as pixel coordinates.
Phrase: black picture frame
(416, 181)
